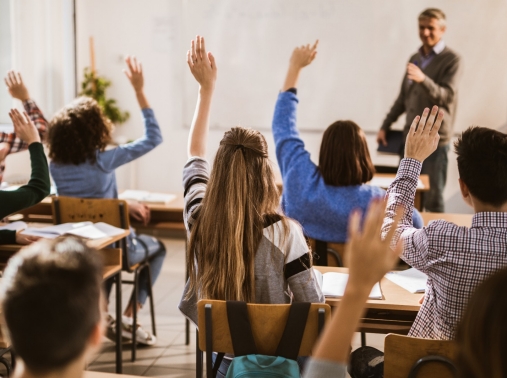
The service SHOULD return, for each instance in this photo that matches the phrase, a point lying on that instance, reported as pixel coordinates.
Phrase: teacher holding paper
(430, 79)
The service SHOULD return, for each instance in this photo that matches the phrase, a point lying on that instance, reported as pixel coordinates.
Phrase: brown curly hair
(77, 131)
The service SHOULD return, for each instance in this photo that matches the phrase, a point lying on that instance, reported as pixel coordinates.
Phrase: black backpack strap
(294, 329)
(218, 362)
(240, 329)
(321, 251)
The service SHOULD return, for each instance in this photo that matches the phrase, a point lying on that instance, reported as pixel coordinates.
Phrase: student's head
(77, 131)
(482, 333)
(229, 226)
(344, 156)
(482, 165)
(50, 297)
(432, 26)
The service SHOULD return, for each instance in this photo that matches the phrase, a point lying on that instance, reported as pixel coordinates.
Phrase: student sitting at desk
(456, 259)
(240, 248)
(37, 188)
(82, 167)
(51, 298)
(322, 197)
(10, 142)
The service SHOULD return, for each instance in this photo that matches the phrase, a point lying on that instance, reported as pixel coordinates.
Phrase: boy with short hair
(456, 259)
(50, 297)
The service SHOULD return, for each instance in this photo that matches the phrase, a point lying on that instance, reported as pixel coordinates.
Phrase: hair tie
(240, 146)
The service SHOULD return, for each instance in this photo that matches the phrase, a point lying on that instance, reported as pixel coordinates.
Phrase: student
(321, 197)
(370, 258)
(37, 188)
(240, 247)
(9, 142)
(82, 167)
(456, 259)
(50, 298)
(482, 333)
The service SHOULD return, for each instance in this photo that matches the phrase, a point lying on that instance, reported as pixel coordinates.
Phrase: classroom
(253, 188)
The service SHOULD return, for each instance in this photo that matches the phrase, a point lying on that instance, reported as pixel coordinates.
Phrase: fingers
(422, 122)
(192, 51)
(314, 47)
(189, 60)
(203, 48)
(413, 126)
(130, 66)
(438, 123)
(354, 221)
(212, 60)
(431, 119)
(374, 219)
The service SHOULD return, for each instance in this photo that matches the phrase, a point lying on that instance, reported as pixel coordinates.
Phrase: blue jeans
(435, 166)
(136, 253)
(224, 366)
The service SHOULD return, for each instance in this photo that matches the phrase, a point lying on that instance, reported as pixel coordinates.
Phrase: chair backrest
(403, 352)
(267, 321)
(334, 256)
(70, 209)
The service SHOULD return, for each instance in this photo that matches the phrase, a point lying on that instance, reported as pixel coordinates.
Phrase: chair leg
(134, 308)
(363, 339)
(119, 345)
(152, 302)
(198, 356)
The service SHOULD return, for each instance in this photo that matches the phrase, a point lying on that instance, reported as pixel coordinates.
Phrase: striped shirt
(456, 259)
(282, 270)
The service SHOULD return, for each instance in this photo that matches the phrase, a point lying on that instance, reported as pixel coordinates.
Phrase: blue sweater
(323, 210)
(98, 180)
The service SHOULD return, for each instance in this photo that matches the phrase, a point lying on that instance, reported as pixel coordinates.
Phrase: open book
(333, 285)
(86, 230)
(145, 196)
(411, 280)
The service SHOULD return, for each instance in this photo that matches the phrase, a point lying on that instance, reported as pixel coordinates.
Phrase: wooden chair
(422, 358)
(267, 321)
(115, 213)
(330, 254)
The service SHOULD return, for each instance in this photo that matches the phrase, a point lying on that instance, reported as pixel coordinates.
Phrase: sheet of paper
(385, 182)
(88, 232)
(333, 285)
(145, 196)
(411, 280)
(15, 226)
(52, 232)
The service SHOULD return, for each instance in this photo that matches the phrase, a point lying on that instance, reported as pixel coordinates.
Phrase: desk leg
(118, 325)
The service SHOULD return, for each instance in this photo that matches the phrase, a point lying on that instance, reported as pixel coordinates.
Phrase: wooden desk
(393, 314)
(98, 374)
(458, 219)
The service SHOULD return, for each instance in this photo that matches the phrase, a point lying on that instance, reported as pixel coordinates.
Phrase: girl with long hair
(240, 247)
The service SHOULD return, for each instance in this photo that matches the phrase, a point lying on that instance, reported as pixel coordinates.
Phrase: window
(5, 59)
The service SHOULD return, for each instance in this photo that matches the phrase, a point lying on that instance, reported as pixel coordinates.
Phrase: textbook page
(145, 196)
(333, 285)
(411, 280)
(96, 231)
(15, 226)
(52, 232)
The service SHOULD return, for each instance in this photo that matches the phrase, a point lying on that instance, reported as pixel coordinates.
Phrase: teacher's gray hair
(434, 13)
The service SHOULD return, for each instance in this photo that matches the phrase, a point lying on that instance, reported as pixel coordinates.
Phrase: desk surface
(459, 219)
(395, 297)
(98, 374)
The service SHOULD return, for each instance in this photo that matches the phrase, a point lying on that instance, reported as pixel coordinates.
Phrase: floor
(170, 357)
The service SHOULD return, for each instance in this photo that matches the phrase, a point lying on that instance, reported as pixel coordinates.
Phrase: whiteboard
(364, 47)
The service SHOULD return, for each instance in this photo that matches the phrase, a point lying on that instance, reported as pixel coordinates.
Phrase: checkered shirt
(14, 144)
(456, 259)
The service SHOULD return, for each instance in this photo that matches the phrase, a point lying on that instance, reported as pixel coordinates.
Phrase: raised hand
(15, 86)
(369, 257)
(24, 127)
(422, 139)
(202, 64)
(304, 55)
(134, 73)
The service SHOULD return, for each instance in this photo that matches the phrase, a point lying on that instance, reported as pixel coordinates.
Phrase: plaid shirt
(456, 259)
(13, 143)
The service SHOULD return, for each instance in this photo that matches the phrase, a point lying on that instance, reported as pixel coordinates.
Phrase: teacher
(430, 79)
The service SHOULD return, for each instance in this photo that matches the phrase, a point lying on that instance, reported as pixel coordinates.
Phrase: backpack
(247, 363)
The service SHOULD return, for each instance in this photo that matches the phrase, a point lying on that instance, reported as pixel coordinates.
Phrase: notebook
(86, 230)
(411, 280)
(145, 196)
(333, 285)
(395, 140)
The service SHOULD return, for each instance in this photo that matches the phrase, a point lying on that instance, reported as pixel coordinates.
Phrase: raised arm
(301, 57)
(202, 65)
(112, 159)
(370, 258)
(290, 149)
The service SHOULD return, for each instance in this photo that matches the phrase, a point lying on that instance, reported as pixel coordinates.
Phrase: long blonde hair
(227, 232)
